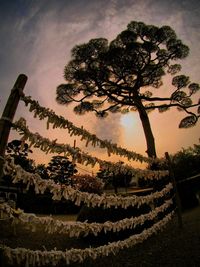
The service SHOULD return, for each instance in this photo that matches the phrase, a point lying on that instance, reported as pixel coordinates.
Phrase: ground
(171, 247)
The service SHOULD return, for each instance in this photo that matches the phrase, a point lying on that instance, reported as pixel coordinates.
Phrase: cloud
(108, 128)
(50, 53)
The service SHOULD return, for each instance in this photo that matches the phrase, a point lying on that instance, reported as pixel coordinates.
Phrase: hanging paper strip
(61, 122)
(77, 229)
(48, 146)
(67, 192)
(28, 257)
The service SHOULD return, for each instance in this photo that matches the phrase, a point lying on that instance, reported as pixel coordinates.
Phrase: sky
(37, 38)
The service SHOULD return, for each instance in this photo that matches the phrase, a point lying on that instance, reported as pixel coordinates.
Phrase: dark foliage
(20, 151)
(87, 183)
(41, 169)
(113, 179)
(186, 163)
(44, 204)
(60, 169)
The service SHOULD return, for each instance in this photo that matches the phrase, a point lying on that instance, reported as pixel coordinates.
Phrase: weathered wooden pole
(8, 115)
(177, 198)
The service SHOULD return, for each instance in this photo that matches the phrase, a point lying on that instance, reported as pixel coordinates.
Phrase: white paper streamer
(61, 122)
(67, 192)
(48, 146)
(77, 229)
(27, 257)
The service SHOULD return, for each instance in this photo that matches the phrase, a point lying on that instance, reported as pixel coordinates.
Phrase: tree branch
(175, 105)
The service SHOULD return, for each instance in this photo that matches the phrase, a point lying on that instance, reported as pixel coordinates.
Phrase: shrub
(115, 180)
(60, 169)
(87, 183)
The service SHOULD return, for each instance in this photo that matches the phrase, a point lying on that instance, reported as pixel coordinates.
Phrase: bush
(44, 204)
(188, 193)
(60, 169)
(87, 183)
(115, 180)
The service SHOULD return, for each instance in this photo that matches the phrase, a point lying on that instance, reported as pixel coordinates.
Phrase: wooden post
(177, 198)
(8, 115)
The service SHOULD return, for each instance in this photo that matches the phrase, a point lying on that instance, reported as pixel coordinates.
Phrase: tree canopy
(61, 169)
(116, 180)
(20, 150)
(122, 75)
(186, 163)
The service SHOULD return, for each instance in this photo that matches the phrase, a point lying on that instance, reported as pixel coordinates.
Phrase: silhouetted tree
(186, 162)
(60, 169)
(41, 169)
(116, 180)
(87, 183)
(20, 151)
(120, 76)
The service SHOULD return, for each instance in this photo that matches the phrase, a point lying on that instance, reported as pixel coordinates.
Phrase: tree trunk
(151, 150)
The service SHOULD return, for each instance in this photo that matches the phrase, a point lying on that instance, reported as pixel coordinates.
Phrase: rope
(6, 119)
(61, 122)
(189, 178)
(83, 158)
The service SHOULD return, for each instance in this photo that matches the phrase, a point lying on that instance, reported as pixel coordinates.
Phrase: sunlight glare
(127, 121)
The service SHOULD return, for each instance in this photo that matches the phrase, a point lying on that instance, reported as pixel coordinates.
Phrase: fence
(30, 257)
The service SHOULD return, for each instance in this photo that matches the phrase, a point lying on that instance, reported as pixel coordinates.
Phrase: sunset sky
(36, 38)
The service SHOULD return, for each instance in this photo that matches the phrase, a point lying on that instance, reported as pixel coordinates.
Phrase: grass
(65, 217)
(171, 247)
